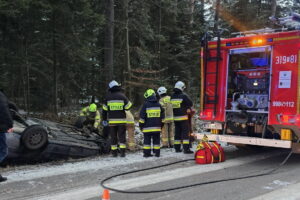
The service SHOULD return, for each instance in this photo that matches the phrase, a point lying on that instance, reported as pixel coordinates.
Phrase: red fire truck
(250, 88)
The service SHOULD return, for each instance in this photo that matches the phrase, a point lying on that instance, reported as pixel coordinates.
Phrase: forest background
(56, 55)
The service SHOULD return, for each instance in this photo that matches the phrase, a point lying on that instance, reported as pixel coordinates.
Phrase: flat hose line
(186, 186)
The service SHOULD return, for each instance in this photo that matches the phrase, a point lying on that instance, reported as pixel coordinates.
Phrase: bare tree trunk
(159, 32)
(27, 78)
(109, 39)
(202, 11)
(54, 67)
(216, 24)
(127, 48)
(23, 88)
(273, 7)
(175, 5)
(192, 8)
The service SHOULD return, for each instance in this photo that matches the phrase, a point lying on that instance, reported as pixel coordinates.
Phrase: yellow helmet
(149, 93)
(93, 107)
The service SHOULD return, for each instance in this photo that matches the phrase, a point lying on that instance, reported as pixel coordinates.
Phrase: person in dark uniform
(151, 121)
(6, 124)
(114, 107)
(181, 103)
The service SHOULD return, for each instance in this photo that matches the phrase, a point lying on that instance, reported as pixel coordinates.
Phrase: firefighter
(89, 117)
(130, 130)
(181, 103)
(167, 132)
(114, 108)
(151, 121)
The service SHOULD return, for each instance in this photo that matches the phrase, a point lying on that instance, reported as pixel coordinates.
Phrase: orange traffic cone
(105, 195)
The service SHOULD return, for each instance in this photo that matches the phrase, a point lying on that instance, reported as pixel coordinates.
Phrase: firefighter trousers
(155, 137)
(131, 139)
(167, 134)
(181, 135)
(118, 134)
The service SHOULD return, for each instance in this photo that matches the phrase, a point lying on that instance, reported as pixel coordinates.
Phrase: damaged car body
(41, 140)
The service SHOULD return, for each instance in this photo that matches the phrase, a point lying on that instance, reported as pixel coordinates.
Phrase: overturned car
(35, 140)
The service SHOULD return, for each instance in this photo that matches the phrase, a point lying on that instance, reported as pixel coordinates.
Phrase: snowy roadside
(98, 163)
(94, 164)
(29, 172)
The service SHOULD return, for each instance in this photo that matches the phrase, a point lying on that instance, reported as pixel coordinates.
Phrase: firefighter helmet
(93, 107)
(162, 90)
(149, 93)
(113, 83)
(180, 85)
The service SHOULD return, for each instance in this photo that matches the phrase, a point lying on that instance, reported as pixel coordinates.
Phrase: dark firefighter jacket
(180, 103)
(114, 107)
(6, 121)
(151, 116)
(90, 116)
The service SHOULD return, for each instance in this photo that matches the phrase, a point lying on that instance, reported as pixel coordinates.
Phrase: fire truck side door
(284, 98)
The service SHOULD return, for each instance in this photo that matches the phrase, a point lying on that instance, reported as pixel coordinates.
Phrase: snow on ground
(94, 164)
(86, 165)
(97, 163)
(92, 191)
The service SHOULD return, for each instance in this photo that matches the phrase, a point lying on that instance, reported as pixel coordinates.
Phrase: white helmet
(180, 85)
(162, 90)
(113, 83)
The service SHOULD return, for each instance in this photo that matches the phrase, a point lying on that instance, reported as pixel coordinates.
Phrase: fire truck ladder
(211, 99)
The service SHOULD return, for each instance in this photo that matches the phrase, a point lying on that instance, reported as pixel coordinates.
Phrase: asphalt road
(72, 181)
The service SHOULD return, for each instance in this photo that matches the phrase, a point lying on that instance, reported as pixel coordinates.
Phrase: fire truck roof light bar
(250, 50)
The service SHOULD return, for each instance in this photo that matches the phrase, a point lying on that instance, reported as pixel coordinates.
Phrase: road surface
(78, 180)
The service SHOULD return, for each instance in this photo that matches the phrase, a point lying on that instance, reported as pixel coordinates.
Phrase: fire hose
(190, 185)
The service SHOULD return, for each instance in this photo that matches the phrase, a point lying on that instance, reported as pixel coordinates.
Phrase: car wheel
(34, 137)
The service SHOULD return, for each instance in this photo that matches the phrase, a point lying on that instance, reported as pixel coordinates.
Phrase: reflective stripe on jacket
(86, 113)
(114, 107)
(180, 103)
(152, 116)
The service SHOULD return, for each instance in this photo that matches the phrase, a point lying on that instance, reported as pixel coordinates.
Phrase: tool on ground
(209, 152)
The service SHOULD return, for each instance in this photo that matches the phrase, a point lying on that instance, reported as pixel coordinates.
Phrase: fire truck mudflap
(250, 89)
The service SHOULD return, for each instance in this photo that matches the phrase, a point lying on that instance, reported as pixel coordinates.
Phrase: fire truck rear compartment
(248, 92)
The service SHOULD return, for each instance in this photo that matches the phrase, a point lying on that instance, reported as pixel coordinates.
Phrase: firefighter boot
(157, 153)
(187, 150)
(177, 148)
(147, 155)
(114, 153)
(122, 152)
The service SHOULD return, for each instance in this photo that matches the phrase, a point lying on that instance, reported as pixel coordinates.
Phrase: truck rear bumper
(247, 140)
